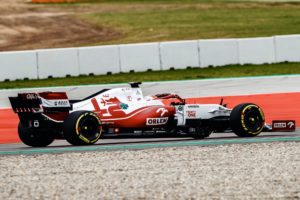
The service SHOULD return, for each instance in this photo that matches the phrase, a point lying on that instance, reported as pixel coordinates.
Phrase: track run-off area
(279, 97)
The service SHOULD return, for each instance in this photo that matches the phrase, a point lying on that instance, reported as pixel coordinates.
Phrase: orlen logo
(156, 121)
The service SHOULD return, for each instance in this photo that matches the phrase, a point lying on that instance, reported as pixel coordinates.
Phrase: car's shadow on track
(133, 139)
(125, 143)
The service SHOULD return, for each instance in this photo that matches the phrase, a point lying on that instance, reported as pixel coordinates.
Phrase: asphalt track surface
(142, 142)
(186, 89)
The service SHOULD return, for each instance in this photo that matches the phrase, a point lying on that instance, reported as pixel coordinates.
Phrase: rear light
(116, 130)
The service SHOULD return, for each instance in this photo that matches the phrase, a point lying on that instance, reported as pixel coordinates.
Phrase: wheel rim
(253, 119)
(89, 128)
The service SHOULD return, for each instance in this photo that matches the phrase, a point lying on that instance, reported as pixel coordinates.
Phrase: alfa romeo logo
(180, 108)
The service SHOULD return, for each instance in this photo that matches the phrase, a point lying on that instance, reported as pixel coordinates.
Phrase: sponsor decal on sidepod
(191, 114)
(156, 121)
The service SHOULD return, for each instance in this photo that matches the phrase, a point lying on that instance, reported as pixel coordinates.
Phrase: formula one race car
(51, 115)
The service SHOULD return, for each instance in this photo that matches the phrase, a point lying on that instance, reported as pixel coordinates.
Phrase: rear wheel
(247, 120)
(34, 138)
(82, 128)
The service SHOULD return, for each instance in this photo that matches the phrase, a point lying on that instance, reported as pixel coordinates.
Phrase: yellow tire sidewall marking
(242, 119)
(81, 136)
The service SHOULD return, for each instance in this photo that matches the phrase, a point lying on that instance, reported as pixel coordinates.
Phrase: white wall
(287, 48)
(139, 57)
(99, 60)
(218, 52)
(58, 62)
(18, 65)
(179, 54)
(256, 50)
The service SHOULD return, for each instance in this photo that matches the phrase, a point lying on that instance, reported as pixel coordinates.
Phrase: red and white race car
(51, 115)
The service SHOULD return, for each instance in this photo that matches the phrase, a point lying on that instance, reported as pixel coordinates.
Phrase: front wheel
(247, 120)
(82, 128)
(34, 138)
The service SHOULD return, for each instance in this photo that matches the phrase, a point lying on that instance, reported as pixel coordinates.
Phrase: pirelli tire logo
(156, 121)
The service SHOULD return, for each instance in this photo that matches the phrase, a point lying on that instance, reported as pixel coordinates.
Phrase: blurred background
(32, 24)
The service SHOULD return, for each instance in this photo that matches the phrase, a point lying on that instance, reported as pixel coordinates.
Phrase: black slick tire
(34, 138)
(82, 128)
(247, 120)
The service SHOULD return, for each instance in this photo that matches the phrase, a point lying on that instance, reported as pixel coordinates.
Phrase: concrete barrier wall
(142, 57)
(179, 55)
(256, 50)
(58, 62)
(139, 57)
(99, 60)
(287, 48)
(218, 52)
(18, 65)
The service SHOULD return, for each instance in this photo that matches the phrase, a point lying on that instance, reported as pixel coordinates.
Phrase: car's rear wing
(40, 102)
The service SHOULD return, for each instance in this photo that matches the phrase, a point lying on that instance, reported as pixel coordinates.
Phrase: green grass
(188, 74)
(147, 21)
(165, 20)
